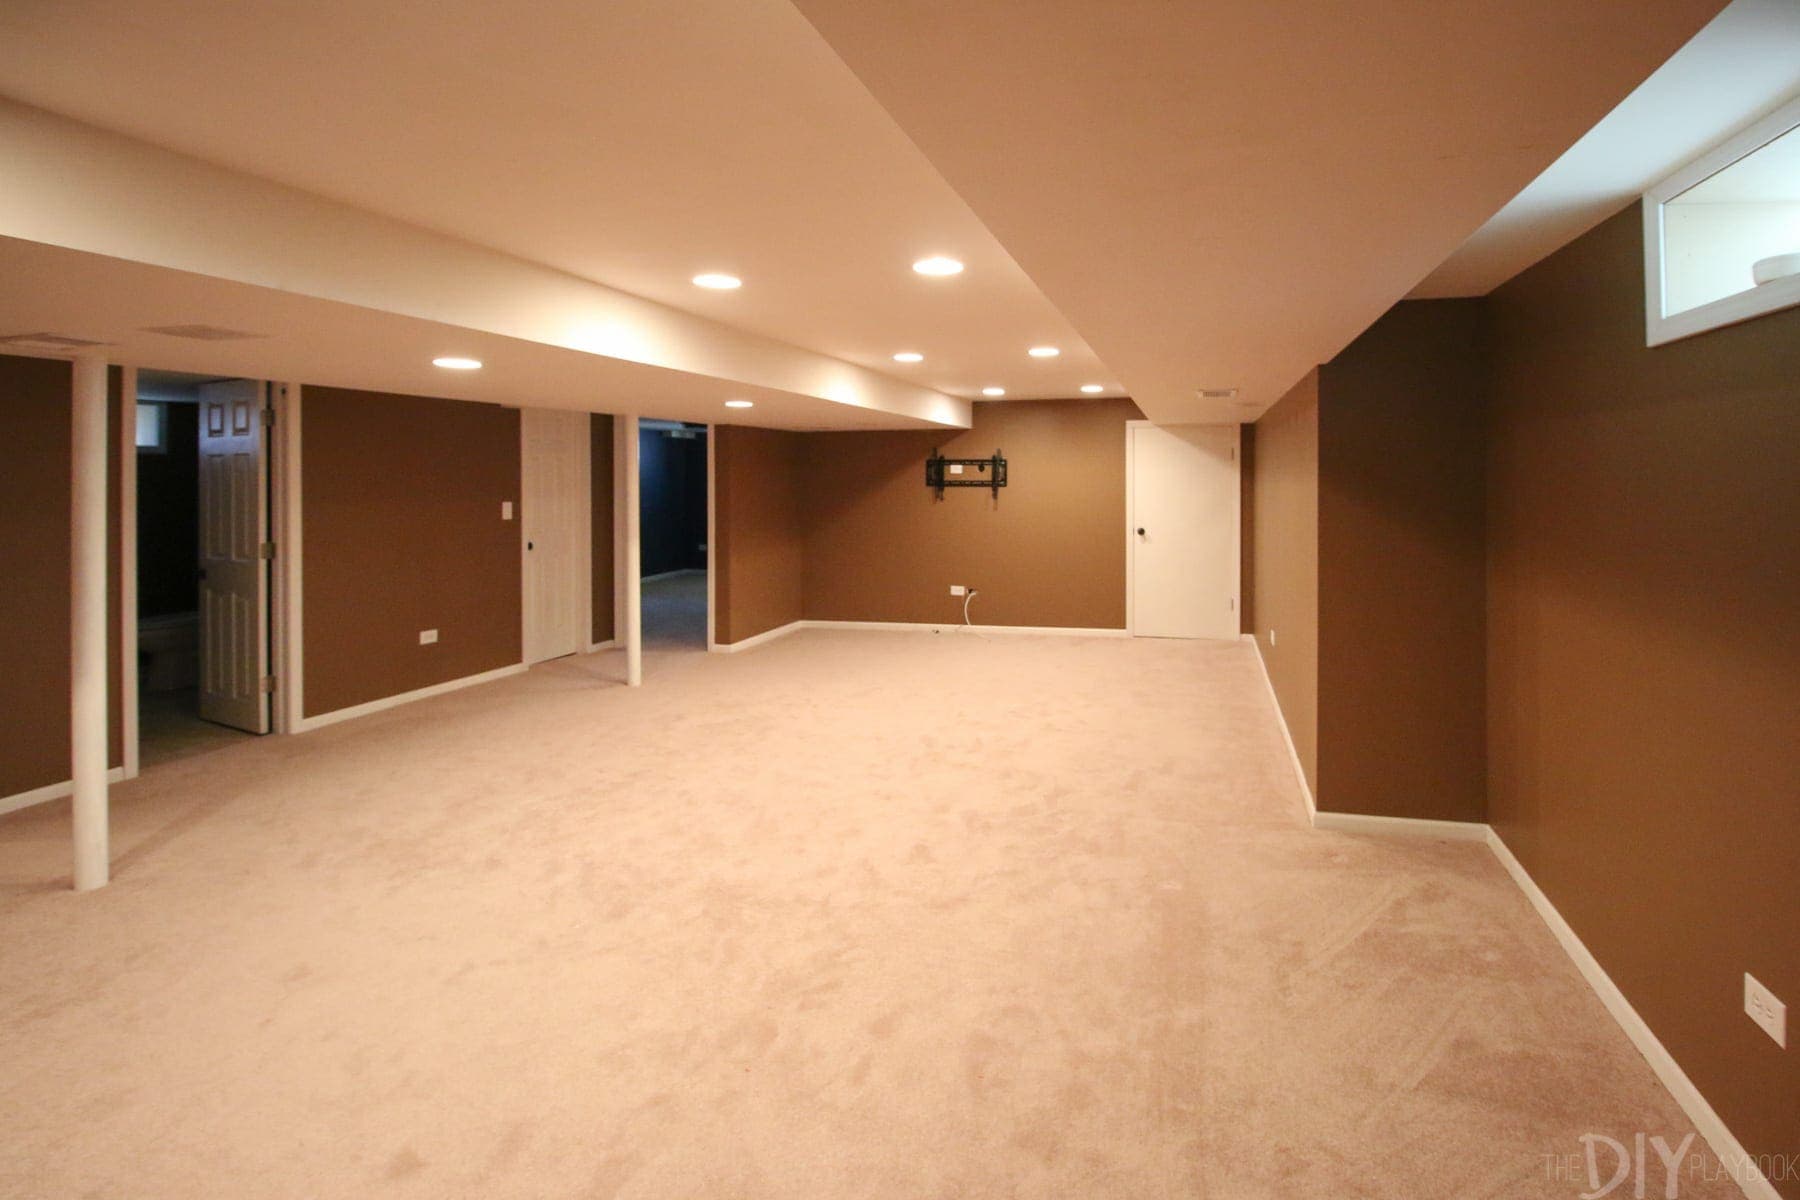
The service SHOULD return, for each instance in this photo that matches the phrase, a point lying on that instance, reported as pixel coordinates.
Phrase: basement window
(1722, 235)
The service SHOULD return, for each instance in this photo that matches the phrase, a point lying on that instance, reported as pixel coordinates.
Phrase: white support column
(87, 622)
(634, 565)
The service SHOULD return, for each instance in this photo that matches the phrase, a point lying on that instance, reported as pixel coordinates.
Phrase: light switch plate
(1762, 1007)
(427, 636)
(956, 468)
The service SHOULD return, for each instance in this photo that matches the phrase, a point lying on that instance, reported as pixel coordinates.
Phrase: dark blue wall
(672, 488)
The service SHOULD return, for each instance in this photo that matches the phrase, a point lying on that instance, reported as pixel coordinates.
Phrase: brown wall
(1644, 655)
(1050, 550)
(759, 534)
(1284, 569)
(600, 445)
(34, 556)
(1402, 700)
(402, 533)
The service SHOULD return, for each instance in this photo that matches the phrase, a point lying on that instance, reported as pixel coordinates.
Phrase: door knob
(530, 546)
(1140, 531)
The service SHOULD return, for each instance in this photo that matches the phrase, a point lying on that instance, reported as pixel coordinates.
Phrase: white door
(1182, 509)
(234, 575)
(556, 512)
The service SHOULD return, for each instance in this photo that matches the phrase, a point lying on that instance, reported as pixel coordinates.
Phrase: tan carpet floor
(853, 914)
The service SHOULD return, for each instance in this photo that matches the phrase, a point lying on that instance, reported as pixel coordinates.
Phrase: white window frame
(1661, 327)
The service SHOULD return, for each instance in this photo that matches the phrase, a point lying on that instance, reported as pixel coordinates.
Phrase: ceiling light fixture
(718, 282)
(909, 356)
(740, 404)
(1093, 389)
(451, 362)
(1043, 352)
(993, 391)
(937, 264)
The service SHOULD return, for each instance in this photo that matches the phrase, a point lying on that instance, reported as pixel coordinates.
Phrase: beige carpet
(853, 914)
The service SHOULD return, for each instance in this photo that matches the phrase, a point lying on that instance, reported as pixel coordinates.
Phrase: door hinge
(268, 685)
(1234, 604)
(266, 550)
(268, 417)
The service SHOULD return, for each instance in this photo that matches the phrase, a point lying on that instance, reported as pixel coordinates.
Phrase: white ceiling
(1745, 63)
(634, 143)
(1214, 194)
(1225, 194)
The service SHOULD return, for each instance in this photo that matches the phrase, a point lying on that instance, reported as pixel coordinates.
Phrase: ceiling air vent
(49, 341)
(1218, 393)
(204, 333)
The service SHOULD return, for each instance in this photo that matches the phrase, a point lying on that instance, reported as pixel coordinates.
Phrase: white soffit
(1742, 66)
(295, 338)
(1225, 194)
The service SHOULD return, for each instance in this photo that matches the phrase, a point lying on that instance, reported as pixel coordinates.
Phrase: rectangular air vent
(204, 333)
(1218, 393)
(50, 341)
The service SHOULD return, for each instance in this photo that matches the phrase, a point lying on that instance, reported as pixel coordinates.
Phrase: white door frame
(712, 530)
(285, 580)
(1237, 522)
(126, 449)
(285, 607)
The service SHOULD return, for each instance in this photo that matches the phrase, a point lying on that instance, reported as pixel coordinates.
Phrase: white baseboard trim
(307, 724)
(597, 647)
(1740, 1165)
(675, 574)
(1312, 809)
(49, 792)
(750, 643)
(1455, 831)
(956, 626)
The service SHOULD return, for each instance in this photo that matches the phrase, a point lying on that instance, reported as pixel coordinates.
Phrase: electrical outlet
(956, 468)
(1763, 1008)
(427, 636)
(957, 589)
(506, 510)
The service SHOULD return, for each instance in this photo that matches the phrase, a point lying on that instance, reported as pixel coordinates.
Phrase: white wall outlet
(427, 636)
(956, 468)
(506, 510)
(957, 589)
(1763, 1008)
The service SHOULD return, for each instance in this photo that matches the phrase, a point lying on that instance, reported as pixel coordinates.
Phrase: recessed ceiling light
(937, 264)
(717, 282)
(909, 356)
(1093, 389)
(993, 391)
(1043, 352)
(451, 362)
(740, 404)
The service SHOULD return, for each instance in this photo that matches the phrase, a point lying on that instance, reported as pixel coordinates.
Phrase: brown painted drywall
(403, 532)
(759, 531)
(1284, 572)
(600, 461)
(1402, 700)
(1644, 655)
(1048, 551)
(34, 557)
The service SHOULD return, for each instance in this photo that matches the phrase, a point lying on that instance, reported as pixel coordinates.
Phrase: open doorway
(202, 563)
(672, 493)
